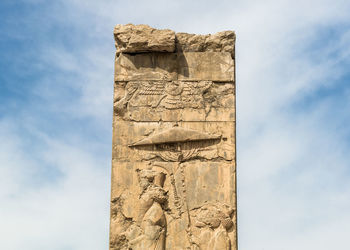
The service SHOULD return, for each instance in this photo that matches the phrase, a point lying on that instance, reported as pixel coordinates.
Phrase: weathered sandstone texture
(142, 38)
(174, 158)
(220, 42)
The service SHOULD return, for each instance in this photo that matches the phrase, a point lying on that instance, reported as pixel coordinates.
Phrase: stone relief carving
(180, 144)
(212, 222)
(176, 135)
(164, 94)
(173, 95)
(148, 230)
(173, 184)
(207, 226)
(172, 147)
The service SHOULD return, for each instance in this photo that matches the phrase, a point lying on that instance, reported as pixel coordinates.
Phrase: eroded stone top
(143, 38)
(220, 42)
(131, 38)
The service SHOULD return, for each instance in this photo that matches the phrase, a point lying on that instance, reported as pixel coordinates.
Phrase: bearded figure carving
(151, 221)
(213, 222)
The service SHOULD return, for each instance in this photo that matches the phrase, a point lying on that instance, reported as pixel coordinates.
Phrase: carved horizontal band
(211, 66)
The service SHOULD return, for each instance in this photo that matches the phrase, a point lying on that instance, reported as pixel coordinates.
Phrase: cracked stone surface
(142, 38)
(173, 147)
(220, 42)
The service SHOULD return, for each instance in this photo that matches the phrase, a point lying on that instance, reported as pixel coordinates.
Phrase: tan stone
(190, 66)
(220, 42)
(146, 66)
(174, 101)
(173, 154)
(196, 181)
(128, 134)
(131, 38)
(213, 66)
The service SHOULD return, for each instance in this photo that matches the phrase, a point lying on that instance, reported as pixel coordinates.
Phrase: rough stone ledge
(141, 38)
(131, 38)
(220, 42)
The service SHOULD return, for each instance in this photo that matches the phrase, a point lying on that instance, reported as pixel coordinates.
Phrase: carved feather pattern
(154, 88)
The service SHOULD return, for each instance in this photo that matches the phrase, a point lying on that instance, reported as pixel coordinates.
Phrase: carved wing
(151, 88)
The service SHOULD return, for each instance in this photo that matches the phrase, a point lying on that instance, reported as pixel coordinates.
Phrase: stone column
(174, 158)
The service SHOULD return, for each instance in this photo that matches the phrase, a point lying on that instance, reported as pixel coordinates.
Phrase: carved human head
(146, 177)
(214, 215)
(151, 177)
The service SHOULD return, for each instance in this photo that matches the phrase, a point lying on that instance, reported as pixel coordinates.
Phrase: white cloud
(69, 211)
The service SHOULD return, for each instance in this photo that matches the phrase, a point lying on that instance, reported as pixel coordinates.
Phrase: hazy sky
(293, 92)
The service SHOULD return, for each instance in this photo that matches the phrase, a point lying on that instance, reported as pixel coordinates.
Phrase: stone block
(189, 66)
(212, 66)
(220, 42)
(174, 101)
(146, 66)
(131, 38)
(174, 140)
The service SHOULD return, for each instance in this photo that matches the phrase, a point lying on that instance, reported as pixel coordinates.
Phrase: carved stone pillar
(174, 158)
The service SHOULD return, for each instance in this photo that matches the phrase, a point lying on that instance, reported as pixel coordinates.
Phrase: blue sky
(293, 97)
